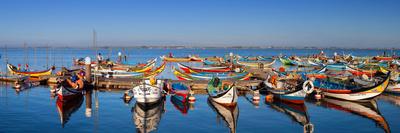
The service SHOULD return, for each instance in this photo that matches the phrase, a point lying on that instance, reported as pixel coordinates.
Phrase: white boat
(148, 92)
(222, 94)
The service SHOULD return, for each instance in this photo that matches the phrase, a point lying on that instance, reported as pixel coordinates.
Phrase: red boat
(188, 69)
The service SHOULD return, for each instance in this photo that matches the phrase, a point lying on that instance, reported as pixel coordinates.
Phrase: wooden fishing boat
(124, 74)
(225, 94)
(297, 112)
(368, 109)
(188, 69)
(286, 61)
(14, 70)
(381, 58)
(207, 76)
(146, 117)
(148, 92)
(180, 59)
(351, 92)
(66, 93)
(66, 108)
(256, 64)
(180, 92)
(136, 68)
(229, 114)
(289, 90)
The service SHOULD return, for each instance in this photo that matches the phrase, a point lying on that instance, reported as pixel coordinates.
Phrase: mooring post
(88, 69)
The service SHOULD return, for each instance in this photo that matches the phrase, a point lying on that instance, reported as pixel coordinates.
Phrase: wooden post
(88, 69)
(88, 97)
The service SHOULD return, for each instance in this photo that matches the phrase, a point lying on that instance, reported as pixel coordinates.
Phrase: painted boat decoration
(350, 92)
(297, 112)
(229, 114)
(393, 87)
(14, 70)
(148, 92)
(146, 117)
(289, 90)
(188, 69)
(368, 109)
(67, 108)
(207, 76)
(225, 94)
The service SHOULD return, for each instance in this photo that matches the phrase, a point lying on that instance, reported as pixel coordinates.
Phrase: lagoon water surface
(35, 110)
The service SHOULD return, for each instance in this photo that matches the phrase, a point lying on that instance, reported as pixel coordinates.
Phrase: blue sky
(342, 23)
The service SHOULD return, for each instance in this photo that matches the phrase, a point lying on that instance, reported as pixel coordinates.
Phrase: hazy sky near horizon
(341, 23)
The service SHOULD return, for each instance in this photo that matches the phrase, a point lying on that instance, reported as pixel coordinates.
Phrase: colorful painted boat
(393, 87)
(146, 117)
(180, 59)
(180, 92)
(66, 93)
(188, 69)
(229, 114)
(124, 74)
(286, 61)
(207, 76)
(136, 68)
(225, 94)
(350, 92)
(148, 92)
(289, 90)
(14, 70)
(66, 108)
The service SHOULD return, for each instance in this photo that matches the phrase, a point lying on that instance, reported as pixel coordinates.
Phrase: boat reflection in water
(229, 114)
(147, 116)
(298, 113)
(366, 109)
(183, 107)
(67, 107)
(391, 98)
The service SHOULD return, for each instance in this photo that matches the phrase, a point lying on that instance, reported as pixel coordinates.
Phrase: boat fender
(308, 86)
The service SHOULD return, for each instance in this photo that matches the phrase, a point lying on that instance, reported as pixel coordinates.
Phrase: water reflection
(67, 108)
(391, 98)
(298, 113)
(229, 114)
(367, 109)
(182, 106)
(147, 116)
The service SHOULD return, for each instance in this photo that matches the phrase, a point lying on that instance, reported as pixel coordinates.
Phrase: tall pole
(94, 43)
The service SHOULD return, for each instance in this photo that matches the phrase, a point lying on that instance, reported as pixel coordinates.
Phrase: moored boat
(188, 69)
(352, 92)
(180, 92)
(290, 90)
(148, 92)
(14, 70)
(207, 76)
(222, 93)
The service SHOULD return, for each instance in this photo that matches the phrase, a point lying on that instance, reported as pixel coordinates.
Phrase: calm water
(34, 110)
